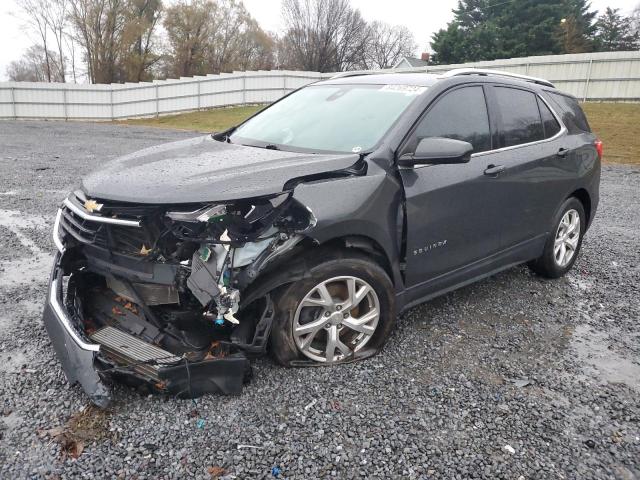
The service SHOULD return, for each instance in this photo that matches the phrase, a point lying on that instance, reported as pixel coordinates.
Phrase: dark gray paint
(490, 222)
(204, 170)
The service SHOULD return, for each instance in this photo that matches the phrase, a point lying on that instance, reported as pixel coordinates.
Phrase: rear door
(531, 154)
(450, 208)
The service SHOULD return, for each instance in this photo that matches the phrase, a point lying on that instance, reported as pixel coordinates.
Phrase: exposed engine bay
(160, 288)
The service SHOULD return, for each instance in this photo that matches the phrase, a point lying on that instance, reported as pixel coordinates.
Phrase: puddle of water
(12, 362)
(33, 268)
(30, 270)
(591, 348)
(14, 219)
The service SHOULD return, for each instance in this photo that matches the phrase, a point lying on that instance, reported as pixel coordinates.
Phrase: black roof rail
(355, 74)
(480, 71)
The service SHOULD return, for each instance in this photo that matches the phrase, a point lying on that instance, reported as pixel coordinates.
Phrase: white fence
(602, 76)
(592, 76)
(116, 101)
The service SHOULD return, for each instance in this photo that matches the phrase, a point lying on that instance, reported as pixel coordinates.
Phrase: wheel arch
(583, 196)
(296, 264)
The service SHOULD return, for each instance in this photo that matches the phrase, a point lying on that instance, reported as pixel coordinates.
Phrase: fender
(363, 206)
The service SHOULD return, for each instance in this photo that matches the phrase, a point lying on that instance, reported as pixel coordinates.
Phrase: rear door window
(461, 115)
(549, 122)
(569, 109)
(521, 122)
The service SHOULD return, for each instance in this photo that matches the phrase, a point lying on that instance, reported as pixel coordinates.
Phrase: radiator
(127, 350)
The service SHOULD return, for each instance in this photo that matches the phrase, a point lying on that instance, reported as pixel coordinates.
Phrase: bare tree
(117, 37)
(230, 35)
(35, 65)
(213, 36)
(71, 48)
(323, 35)
(36, 16)
(139, 39)
(188, 27)
(56, 20)
(387, 45)
(99, 25)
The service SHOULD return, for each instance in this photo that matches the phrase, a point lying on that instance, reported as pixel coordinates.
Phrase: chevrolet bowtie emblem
(92, 206)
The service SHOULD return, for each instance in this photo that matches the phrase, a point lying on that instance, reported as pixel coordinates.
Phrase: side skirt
(523, 252)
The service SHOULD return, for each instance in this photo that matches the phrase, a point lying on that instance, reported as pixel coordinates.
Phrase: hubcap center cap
(335, 318)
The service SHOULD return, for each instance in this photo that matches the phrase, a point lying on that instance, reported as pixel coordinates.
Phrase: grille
(123, 239)
(84, 231)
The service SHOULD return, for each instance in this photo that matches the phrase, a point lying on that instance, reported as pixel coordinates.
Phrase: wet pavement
(549, 369)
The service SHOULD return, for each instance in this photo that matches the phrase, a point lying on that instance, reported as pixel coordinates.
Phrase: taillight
(598, 145)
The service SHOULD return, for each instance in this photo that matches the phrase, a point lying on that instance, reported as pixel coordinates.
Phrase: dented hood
(204, 170)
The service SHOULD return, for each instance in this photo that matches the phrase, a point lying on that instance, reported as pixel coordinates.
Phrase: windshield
(334, 118)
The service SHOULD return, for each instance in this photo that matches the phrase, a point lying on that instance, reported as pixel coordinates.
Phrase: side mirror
(437, 150)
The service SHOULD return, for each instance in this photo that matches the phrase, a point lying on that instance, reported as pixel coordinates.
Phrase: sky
(422, 17)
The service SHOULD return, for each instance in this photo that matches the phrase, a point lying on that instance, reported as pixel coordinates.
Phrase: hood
(204, 170)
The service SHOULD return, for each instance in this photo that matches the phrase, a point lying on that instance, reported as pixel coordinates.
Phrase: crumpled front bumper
(75, 353)
(80, 358)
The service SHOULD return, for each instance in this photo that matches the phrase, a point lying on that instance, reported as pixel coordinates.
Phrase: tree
(36, 15)
(117, 37)
(139, 50)
(35, 65)
(56, 15)
(233, 36)
(207, 36)
(387, 45)
(615, 32)
(323, 35)
(188, 31)
(486, 30)
(635, 19)
(99, 25)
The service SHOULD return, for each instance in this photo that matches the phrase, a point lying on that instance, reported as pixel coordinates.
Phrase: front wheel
(343, 311)
(564, 242)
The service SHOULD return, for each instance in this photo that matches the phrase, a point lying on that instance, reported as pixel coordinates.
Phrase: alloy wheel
(567, 237)
(336, 319)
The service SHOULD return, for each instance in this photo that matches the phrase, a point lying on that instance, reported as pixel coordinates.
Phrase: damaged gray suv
(306, 230)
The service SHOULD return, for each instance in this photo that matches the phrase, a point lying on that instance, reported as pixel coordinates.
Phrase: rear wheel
(342, 311)
(564, 242)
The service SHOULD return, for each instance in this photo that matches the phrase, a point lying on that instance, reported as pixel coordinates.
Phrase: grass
(214, 120)
(616, 124)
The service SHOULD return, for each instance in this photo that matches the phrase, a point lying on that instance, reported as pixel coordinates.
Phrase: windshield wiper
(271, 146)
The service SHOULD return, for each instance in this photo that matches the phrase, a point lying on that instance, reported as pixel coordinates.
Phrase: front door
(451, 209)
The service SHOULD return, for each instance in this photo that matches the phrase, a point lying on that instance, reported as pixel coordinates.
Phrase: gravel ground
(514, 377)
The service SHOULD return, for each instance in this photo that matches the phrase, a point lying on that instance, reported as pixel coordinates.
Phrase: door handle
(562, 152)
(494, 170)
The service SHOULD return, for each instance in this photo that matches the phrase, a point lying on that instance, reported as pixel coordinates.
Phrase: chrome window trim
(562, 131)
(95, 218)
(64, 318)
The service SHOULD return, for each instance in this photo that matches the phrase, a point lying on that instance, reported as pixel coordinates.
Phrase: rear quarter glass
(569, 109)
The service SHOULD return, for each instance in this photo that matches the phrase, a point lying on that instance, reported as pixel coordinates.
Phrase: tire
(325, 320)
(553, 263)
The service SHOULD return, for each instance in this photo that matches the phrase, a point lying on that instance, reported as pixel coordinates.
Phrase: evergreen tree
(615, 32)
(490, 29)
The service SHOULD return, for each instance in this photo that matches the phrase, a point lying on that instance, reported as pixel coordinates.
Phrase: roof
(412, 62)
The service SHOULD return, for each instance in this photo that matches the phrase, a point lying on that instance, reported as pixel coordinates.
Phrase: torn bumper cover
(89, 362)
(151, 294)
(76, 355)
